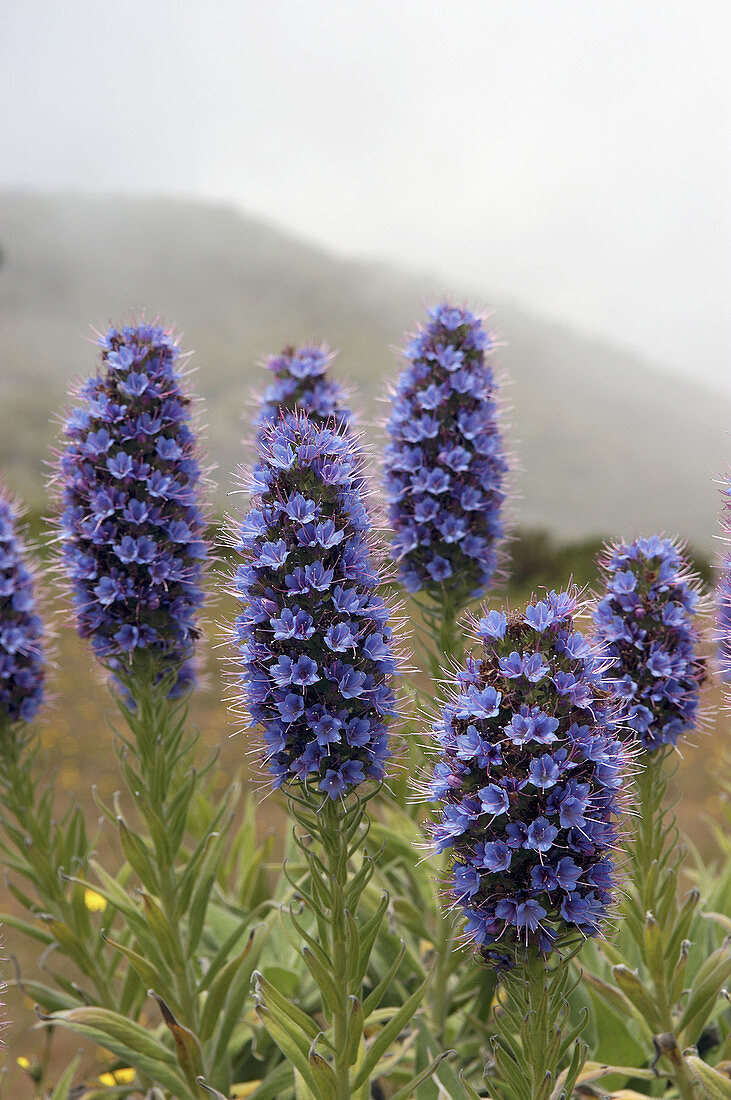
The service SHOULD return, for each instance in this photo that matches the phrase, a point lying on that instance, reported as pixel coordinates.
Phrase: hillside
(608, 444)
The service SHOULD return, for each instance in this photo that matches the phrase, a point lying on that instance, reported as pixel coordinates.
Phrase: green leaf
(147, 972)
(388, 1033)
(233, 1008)
(715, 1085)
(720, 919)
(277, 1082)
(221, 984)
(303, 1030)
(128, 1041)
(209, 1088)
(324, 982)
(683, 922)
(324, 1075)
(472, 1095)
(654, 947)
(566, 1081)
(374, 998)
(677, 982)
(51, 1000)
(426, 1074)
(62, 1090)
(607, 992)
(161, 928)
(187, 1047)
(635, 992)
(368, 934)
(704, 993)
(288, 1047)
(355, 1031)
(301, 1089)
(202, 892)
(223, 955)
(137, 855)
(35, 932)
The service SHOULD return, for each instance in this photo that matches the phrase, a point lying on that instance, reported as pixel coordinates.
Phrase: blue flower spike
(132, 525)
(313, 633)
(302, 384)
(646, 622)
(445, 465)
(528, 781)
(22, 635)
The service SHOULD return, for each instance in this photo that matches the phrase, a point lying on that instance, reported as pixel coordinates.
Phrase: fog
(572, 157)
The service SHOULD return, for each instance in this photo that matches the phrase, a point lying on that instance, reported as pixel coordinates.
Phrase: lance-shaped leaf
(221, 984)
(288, 1046)
(389, 1031)
(368, 934)
(715, 1085)
(148, 974)
(704, 993)
(634, 991)
(62, 1090)
(324, 1075)
(303, 1029)
(137, 855)
(374, 998)
(187, 1046)
(130, 1042)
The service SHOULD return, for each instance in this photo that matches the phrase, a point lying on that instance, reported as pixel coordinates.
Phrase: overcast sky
(570, 154)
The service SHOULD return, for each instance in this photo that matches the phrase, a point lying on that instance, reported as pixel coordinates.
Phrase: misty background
(265, 174)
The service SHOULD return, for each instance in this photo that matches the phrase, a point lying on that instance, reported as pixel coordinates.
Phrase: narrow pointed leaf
(426, 1074)
(715, 1085)
(389, 1031)
(288, 1047)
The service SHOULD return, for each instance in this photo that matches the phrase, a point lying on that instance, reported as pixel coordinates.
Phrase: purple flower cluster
(313, 632)
(22, 660)
(132, 526)
(445, 464)
(528, 782)
(723, 592)
(301, 384)
(645, 623)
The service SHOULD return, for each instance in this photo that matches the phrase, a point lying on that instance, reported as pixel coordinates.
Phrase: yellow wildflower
(95, 903)
(117, 1077)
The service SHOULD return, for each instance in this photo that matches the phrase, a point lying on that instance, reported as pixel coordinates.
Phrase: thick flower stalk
(445, 463)
(316, 644)
(22, 656)
(132, 525)
(528, 783)
(313, 633)
(646, 623)
(302, 385)
(527, 790)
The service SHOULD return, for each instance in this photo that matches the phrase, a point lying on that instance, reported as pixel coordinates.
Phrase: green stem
(337, 865)
(450, 648)
(43, 848)
(163, 752)
(654, 856)
(532, 1045)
